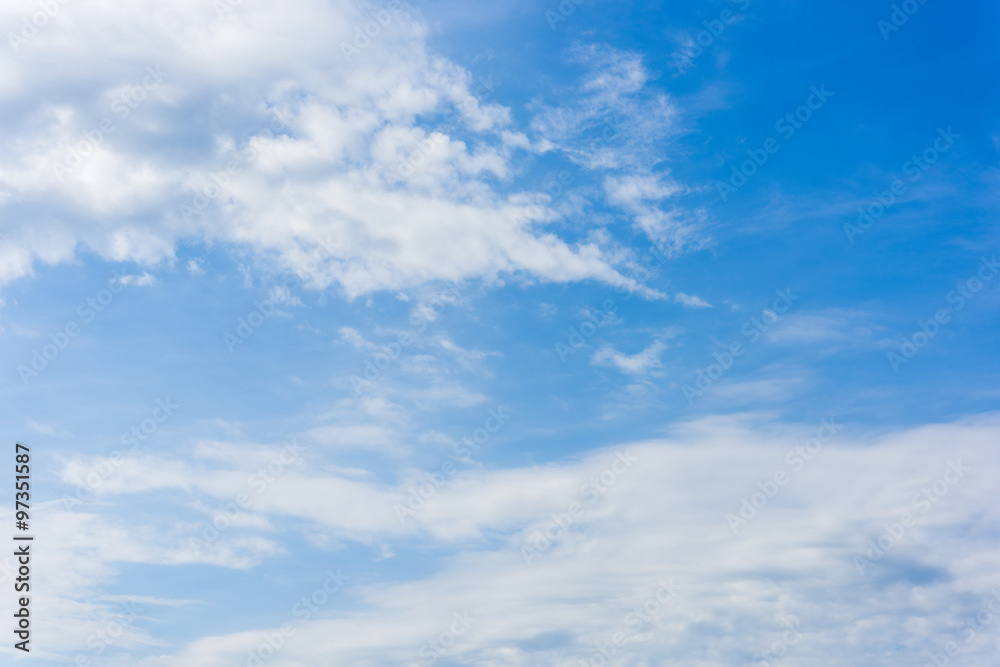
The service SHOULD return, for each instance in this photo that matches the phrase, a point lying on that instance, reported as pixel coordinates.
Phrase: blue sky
(466, 334)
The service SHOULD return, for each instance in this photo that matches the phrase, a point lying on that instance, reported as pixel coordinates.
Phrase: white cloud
(326, 171)
(547, 311)
(45, 429)
(641, 363)
(664, 515)
(691, 301)
(361, 435)
(145, 280)
(832, 327)
(71, 616)
(617, 123)
(640, 195)
(633, 189)
(354, 337)
(281, 294)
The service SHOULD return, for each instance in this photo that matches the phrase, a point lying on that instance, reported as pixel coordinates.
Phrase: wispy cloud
(640, 363)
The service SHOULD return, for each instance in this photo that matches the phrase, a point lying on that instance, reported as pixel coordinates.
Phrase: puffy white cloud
(255, 125)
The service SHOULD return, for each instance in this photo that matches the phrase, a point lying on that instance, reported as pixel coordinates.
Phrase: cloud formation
(371, 168)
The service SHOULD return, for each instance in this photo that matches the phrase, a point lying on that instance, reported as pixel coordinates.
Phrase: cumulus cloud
(251, 126)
